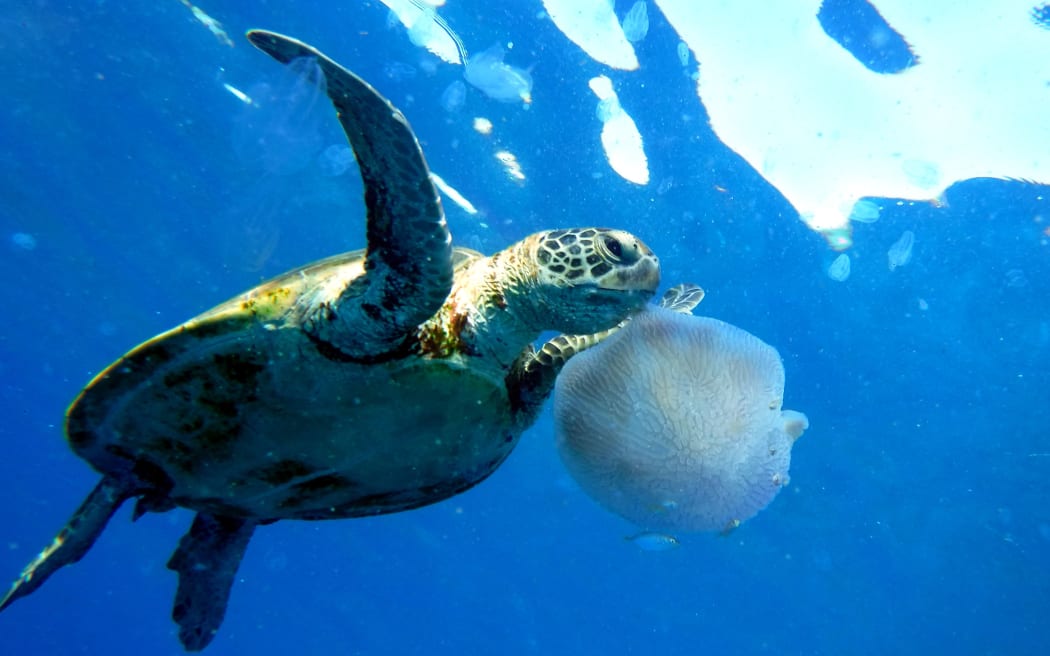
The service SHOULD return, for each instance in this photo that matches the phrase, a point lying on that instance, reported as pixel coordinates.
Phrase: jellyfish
(839, 269)
(454, 96)
(485, 70)
(279, 132)
(683, 53)
(675, 423)
(335, 160)
(636, 22)
(27, 242)
(865, 211)
(498, 80)
(900, 253)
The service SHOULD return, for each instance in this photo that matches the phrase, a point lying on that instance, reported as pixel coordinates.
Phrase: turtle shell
(328, 393)
(238, 413)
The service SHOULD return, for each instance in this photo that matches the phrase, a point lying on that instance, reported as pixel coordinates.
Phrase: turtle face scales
(589, 278)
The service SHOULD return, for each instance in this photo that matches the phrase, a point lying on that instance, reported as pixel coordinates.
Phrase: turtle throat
(490, 312)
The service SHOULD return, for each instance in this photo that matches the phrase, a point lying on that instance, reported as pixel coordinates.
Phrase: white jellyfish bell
(675, 422)
(500, 81)
(485, 71)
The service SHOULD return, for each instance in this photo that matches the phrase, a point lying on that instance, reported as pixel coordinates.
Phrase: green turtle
(369, 382)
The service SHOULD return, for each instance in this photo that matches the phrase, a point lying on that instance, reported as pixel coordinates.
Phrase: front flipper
(408, 268)
(682, 298)
(74, 540)
(532, 377)
(206, 560)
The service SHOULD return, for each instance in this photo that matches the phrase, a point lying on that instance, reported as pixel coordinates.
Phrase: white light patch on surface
(592, 25)
(826, 131)
(621, 140)
(424, 30)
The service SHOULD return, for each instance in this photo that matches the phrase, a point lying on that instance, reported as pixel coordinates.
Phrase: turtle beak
(641, 276)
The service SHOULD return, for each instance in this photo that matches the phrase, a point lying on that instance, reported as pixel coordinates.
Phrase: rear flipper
(206, 560)
(74, 540)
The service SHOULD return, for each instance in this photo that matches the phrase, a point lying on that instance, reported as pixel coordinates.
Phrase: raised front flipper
(206, 560)
(682, 298)
(532, 377)
(408, 269)
(74, 540)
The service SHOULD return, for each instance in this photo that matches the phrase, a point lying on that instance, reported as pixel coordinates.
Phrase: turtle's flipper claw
(73, 541)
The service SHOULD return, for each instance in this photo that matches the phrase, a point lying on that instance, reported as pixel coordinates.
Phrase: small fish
(652, 541)
(730, 526)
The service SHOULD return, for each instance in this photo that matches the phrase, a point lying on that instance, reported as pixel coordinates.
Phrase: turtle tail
(74, 540)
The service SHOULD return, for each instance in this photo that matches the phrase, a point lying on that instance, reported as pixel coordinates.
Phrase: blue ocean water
(916, 520)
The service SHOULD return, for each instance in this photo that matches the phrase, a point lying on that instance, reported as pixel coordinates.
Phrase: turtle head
(590, 279)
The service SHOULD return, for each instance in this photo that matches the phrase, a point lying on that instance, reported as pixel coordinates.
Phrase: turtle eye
(613, 247)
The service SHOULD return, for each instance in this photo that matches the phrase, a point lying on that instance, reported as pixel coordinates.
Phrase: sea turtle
(366, 383)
